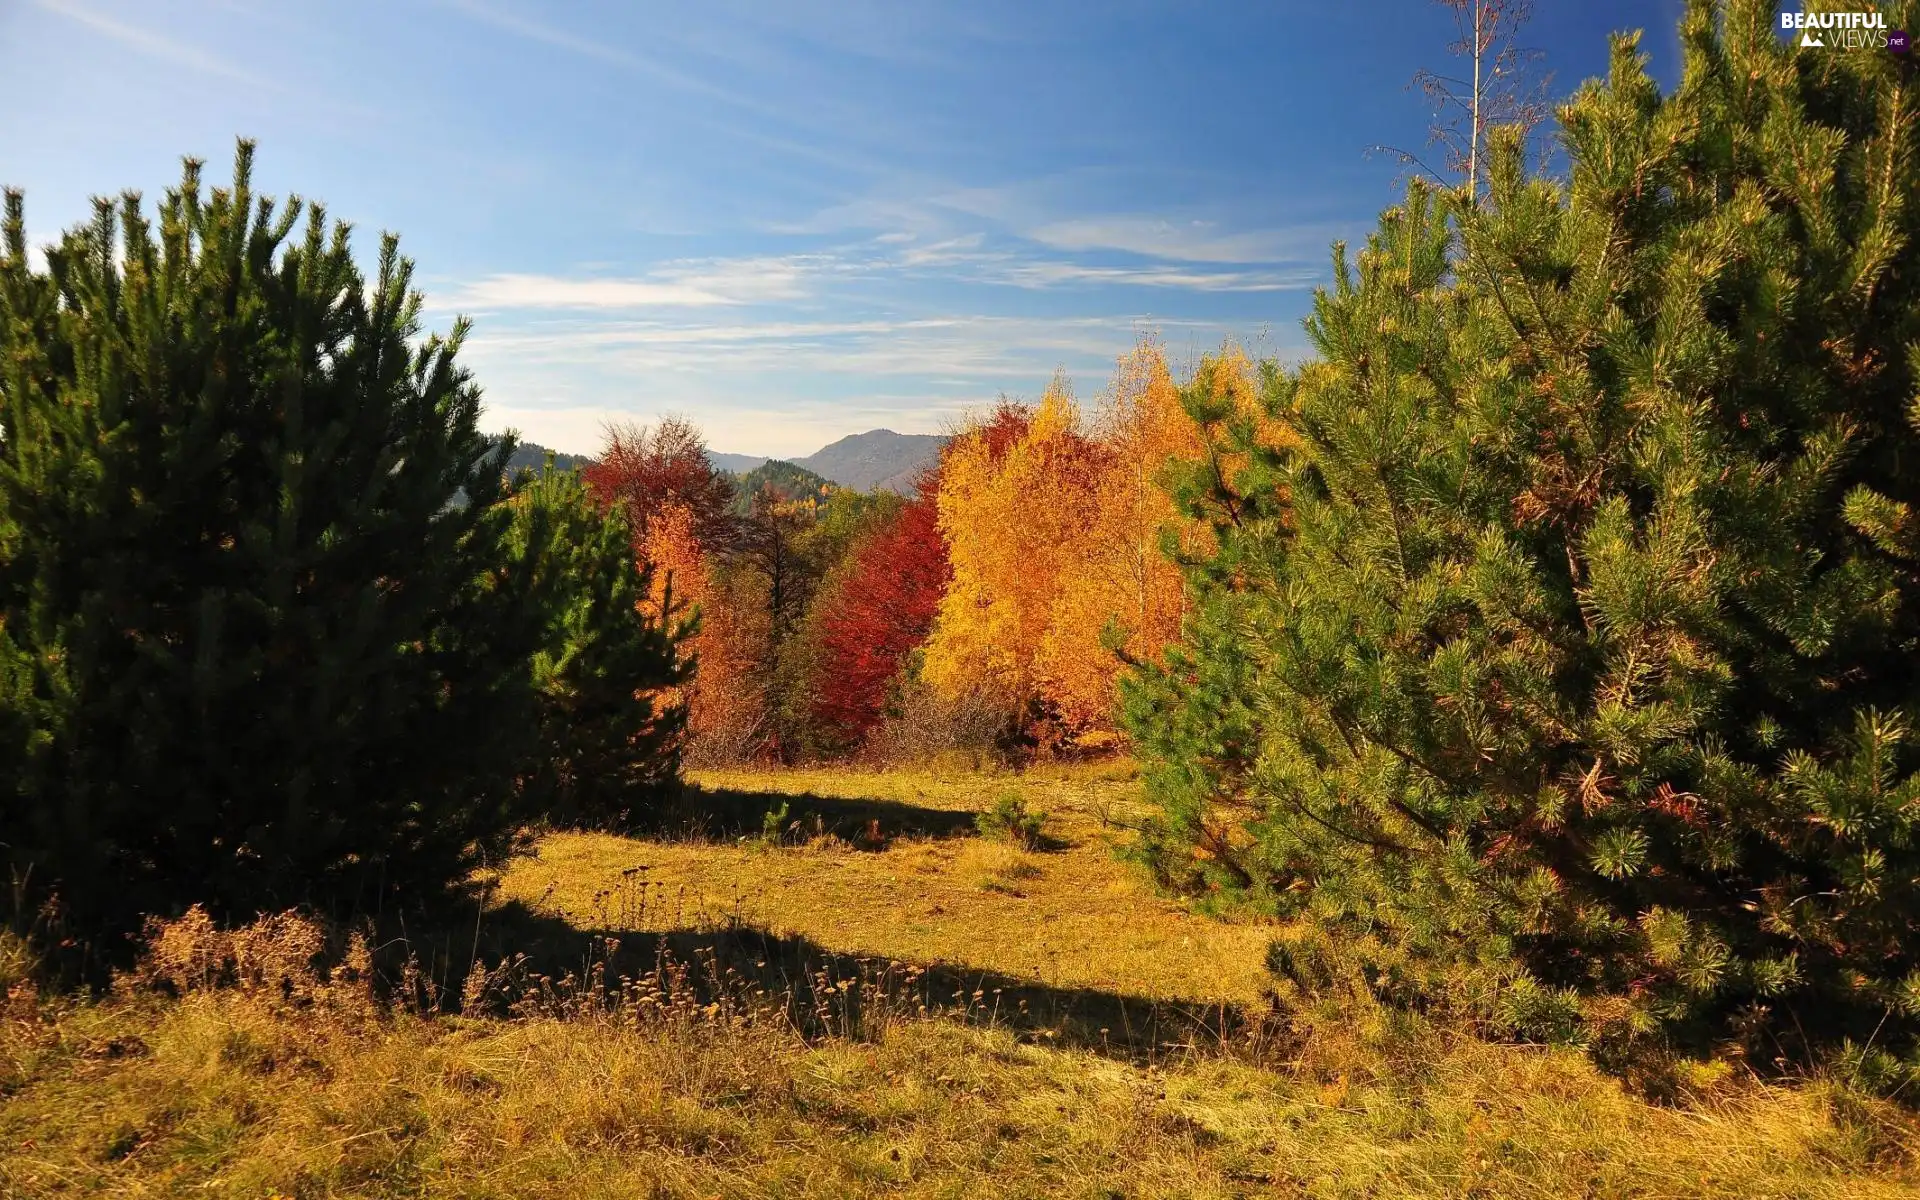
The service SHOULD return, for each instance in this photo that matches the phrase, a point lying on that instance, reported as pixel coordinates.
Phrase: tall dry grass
(281, 1060)
(876, 1000)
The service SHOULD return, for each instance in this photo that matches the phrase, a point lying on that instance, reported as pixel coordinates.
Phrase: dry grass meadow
(864, 996)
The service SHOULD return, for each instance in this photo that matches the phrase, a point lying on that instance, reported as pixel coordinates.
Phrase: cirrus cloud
(697, 284)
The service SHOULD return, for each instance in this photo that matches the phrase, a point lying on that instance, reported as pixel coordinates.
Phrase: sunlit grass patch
(1084, 919)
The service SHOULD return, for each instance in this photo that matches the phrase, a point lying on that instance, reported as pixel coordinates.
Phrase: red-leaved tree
(879, 608)
(663, 467)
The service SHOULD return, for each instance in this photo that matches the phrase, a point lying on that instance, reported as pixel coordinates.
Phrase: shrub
(1011, 819)
(1564, 673)
(773, 825)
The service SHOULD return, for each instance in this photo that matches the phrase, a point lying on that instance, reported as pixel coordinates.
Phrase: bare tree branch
(1505, 86)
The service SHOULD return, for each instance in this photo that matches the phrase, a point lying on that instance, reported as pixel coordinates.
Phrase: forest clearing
(1066, 915)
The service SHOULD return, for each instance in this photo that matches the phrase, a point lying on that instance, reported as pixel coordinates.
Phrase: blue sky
(788, 220)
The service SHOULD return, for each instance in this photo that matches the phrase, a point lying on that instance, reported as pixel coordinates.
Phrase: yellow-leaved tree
(1014, 492)
(1055, 533)
(1119, 591)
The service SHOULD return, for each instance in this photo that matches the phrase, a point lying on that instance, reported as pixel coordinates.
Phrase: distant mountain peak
(876, 458)
(861, 461)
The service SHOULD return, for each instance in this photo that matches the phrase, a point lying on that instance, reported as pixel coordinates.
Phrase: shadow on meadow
(543, 963)
(724, 814)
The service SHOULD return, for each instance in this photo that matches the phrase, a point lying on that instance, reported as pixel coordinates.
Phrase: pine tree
(611, 717)
(1565, 672)
(252, 651)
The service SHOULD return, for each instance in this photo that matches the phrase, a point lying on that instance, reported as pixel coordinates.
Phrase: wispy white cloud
(972, 349)
(1072, 210)
(550, 291)
(573, 337)
(932, 207)
(892, 329)
(788, 388)
(699, 284)
(1189, 240)
(1065, 274)
(152, 44)
(966, 258)
(945, 253)
(768, 280)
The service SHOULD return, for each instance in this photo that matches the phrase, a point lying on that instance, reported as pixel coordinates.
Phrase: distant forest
(532, 455)
(788, 482)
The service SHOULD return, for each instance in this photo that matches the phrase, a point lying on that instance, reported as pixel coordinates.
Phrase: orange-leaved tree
(677, 503)
(1062, 539)
(725, 701)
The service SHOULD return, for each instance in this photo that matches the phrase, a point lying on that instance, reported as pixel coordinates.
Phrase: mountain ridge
(878, 458)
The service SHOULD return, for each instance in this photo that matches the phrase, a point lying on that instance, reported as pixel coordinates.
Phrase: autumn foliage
(1059, 529)
(1011, 517)
(677, 504)
(724, 706)
(1031, 565)
(1124, 597)
(661, 469)
(879, 610)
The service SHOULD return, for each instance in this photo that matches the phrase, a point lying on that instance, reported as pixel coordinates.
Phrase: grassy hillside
(1067, 917)
(864, 996)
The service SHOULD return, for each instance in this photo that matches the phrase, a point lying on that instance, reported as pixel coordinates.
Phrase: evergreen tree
(1565, 672)
(251, 651)
(610, 737)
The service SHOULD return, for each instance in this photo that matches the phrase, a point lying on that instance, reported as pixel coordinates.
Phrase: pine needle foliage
(1565, 672)
(253, 649)
(609, 678)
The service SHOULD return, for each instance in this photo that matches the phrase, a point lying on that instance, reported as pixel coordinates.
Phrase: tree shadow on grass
(1045, 843)
(727, 814)
(824, 992)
